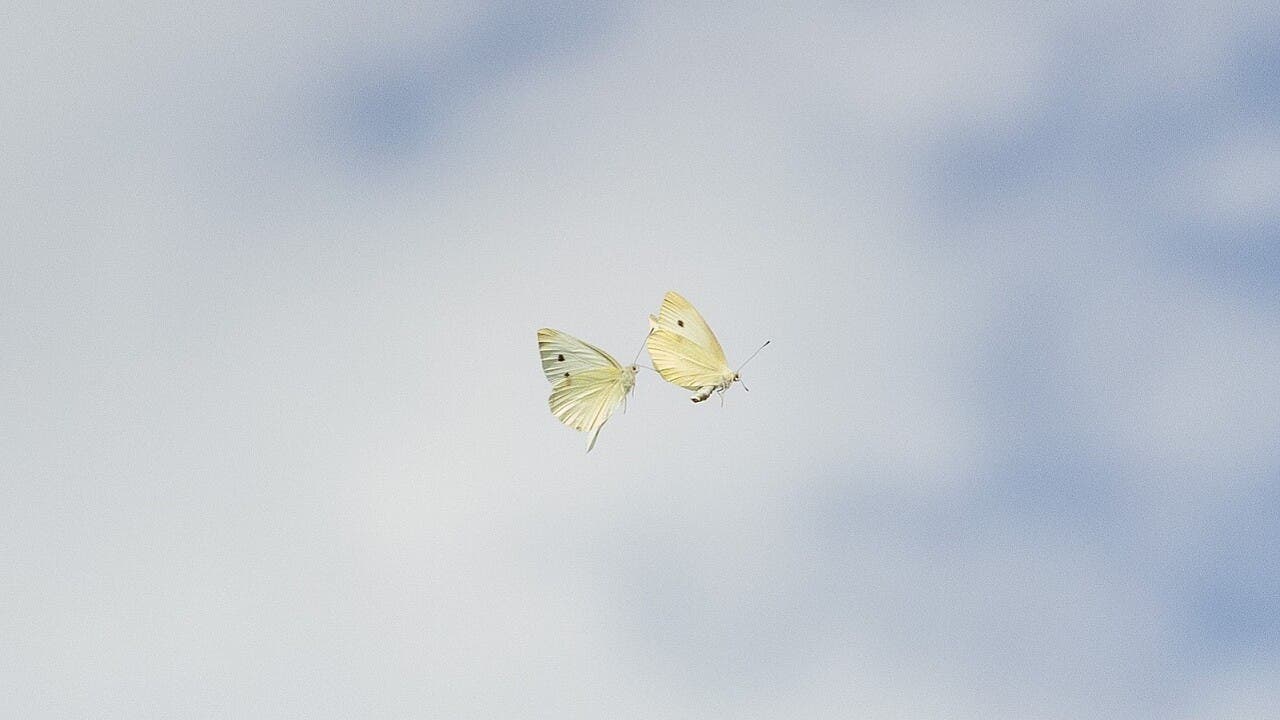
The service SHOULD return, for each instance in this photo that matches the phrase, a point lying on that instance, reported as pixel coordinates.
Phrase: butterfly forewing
(563, 353)
(679, 317)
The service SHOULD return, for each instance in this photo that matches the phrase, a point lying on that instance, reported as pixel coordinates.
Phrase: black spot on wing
(680, 323)
(560, 357)
(566, 374)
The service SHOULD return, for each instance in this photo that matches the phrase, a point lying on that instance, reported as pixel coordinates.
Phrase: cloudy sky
(276, 441)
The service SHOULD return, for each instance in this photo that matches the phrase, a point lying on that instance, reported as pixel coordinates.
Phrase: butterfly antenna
(757, 352)
(641, 349)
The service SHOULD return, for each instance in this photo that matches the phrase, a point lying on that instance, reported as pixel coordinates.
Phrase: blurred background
(275, 436)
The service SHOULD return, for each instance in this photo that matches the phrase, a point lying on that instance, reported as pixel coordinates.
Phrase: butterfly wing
(587, 384)
(684, 350)
(586, 400)
(564, 355)
(680, 318)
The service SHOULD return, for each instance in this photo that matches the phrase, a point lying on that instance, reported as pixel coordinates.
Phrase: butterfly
(685, 352)
(587, 384)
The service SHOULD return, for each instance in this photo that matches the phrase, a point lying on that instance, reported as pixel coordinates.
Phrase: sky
(275, 434)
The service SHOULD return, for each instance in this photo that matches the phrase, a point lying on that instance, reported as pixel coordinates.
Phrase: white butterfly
(587, 384)
(685, 352)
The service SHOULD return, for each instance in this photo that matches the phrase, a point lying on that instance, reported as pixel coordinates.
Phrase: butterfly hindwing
(585, 401)
(681, 362)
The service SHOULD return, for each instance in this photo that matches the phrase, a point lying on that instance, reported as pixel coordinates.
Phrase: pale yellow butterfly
(685, 352)
(587, 384)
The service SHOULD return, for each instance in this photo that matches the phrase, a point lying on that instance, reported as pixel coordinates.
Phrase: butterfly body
(587, 384)
(705, 391)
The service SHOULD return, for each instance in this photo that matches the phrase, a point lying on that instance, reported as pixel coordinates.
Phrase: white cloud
(1248, 692)
(1177, 383)
(284, 446)
(1238, 181)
